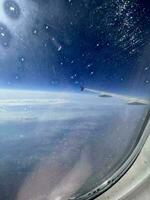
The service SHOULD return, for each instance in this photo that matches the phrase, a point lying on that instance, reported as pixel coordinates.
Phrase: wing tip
(82, 88)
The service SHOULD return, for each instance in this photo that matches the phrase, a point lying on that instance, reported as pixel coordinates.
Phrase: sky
(62, 44)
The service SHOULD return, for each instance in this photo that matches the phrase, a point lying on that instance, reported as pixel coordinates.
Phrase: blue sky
(63, 44)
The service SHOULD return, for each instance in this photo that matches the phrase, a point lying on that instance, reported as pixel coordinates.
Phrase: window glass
(74, 94)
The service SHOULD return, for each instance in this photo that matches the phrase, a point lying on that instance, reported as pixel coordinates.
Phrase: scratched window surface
(74, 93)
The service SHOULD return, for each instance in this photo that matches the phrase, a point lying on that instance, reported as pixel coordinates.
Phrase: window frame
(124, 167)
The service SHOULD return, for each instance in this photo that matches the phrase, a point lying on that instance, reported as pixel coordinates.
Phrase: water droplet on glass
(5, 35)
(12, 9)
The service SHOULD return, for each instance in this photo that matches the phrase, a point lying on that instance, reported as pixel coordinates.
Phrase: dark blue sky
(62, 44)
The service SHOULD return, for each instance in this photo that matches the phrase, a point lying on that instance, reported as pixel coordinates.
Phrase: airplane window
(74, 95)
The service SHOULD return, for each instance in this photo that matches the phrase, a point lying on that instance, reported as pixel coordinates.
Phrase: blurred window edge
(133, 173)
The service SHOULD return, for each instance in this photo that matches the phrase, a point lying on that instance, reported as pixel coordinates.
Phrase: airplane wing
(129, 100)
